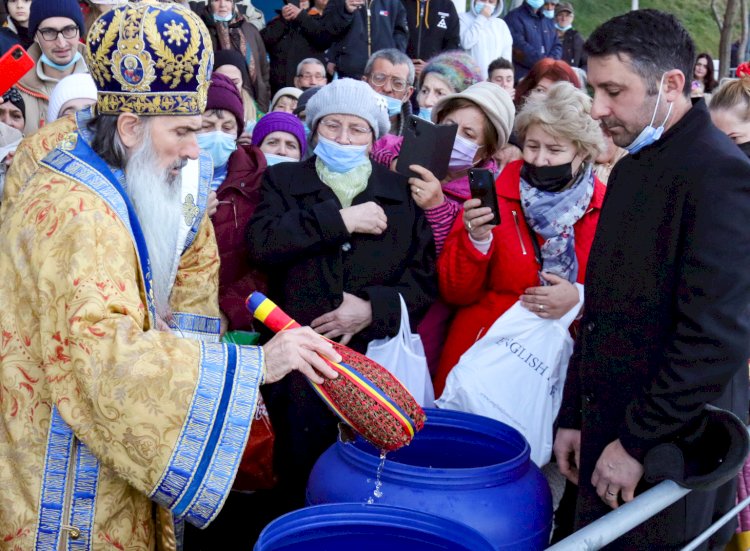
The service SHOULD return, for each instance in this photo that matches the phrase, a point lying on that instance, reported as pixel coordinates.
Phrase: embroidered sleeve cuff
(209, 448)
(202, 328)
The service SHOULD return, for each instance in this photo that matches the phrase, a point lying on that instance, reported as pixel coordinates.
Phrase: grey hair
(394, 57)
(309, 61)
(564, 112)
(107, 143)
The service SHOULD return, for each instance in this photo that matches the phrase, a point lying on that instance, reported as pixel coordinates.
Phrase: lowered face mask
(650, 134)
(340, 158)
(273, 159)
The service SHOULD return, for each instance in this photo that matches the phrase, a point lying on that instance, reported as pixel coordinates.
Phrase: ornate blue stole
(66, 455)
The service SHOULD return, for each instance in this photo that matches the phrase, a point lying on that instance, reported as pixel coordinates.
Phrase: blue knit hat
(44, 9)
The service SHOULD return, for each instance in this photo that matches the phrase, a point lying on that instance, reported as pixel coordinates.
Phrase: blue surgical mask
(394, 106)
(218, 144)
(650, 134)
(308, 131)
(425, 113)
(535, 4)
(249, 126)
(223, 18)
(273, 159)
(340, 158)
(563, 29)
(549, 14)
(478, 7)
(47, 61)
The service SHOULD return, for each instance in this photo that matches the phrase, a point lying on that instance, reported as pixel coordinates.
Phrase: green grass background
(694, 14)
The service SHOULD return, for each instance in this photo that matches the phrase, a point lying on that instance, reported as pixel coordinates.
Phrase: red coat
(485, 286)
(238, 196)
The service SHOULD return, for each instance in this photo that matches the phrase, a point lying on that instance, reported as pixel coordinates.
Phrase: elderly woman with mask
(549, 202)
(340, 238)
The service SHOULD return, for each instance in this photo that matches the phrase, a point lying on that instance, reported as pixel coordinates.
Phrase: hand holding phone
(482, 187)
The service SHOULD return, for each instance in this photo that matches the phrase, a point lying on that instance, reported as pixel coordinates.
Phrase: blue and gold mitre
(150, 58)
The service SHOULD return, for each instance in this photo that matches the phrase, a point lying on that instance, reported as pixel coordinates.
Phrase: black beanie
(44, 9)
(14, 97)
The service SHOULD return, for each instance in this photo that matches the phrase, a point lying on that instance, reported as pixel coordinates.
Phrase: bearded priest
(114, 427)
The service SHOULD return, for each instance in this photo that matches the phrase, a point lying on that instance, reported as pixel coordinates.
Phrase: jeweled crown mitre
(150, 58)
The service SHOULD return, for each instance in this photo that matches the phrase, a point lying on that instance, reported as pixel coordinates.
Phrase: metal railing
(626, 517)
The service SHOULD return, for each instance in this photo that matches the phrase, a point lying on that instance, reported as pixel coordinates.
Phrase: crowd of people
(162, 161)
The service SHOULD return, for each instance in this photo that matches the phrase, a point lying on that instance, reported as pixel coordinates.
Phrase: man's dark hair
(500, 63)
(654, 41)
(106, 142)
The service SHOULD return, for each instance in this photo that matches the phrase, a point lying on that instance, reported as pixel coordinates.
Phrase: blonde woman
(549, 207)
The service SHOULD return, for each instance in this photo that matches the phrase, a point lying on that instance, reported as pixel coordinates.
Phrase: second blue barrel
(460, 466)
(360, 527)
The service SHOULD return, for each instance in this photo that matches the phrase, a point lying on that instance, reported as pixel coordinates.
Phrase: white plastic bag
(515, 373)
(403, 355)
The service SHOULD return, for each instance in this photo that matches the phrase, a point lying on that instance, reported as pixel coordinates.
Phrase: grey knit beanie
(347, 96)
(493, 101)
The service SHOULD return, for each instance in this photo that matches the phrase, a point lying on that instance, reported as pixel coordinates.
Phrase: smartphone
(13, 65)
(428, 145)
(482, 186)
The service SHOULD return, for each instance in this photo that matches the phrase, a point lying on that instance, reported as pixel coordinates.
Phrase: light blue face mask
(219, 145)
(650, 134)
(549, 14)
(223, 18)
(340, 158)
(535, 4)
(478, 7)
(425, 113)
(273, 159)
(563, 29)
(47, 61)
(249, 125)
(394, 105)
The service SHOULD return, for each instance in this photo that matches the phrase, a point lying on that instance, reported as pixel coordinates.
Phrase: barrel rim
(466, 477)
(349, 514)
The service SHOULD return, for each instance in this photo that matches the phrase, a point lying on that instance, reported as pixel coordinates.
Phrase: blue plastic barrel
(460, 466)
(360, 527)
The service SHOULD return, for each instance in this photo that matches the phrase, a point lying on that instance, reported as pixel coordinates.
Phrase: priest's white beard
(156, 196)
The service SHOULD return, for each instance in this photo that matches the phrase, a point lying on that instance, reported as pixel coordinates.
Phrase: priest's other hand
(298, 349)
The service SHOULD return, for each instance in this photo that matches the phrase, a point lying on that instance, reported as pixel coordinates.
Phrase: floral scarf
(231, 37)
(552, 216)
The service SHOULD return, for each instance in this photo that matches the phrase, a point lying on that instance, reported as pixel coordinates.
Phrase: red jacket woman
(484, 286)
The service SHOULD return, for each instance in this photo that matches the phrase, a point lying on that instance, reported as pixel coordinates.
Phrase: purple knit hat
(280, 121)
(223, 94)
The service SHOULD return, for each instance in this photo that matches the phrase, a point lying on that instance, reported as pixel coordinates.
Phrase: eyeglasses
(334, 129)
(379, 80)
(50, 35)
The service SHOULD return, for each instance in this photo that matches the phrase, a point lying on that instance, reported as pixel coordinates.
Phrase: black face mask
(745, 147)
(547, 178)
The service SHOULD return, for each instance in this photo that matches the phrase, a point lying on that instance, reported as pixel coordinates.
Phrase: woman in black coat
(340, 238)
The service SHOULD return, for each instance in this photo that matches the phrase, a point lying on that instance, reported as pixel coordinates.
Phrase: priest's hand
(298, 349)
(352, 315)
(616, 472)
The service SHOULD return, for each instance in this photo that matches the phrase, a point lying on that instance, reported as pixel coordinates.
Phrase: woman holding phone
(549, 206)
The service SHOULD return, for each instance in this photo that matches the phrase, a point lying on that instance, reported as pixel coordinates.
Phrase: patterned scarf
(346, 185)
(552, 215)
(231, 37)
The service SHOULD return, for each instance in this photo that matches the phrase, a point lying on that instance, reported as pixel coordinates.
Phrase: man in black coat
(666, 327)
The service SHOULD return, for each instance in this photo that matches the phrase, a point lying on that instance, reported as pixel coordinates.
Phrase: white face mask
(650, 134)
